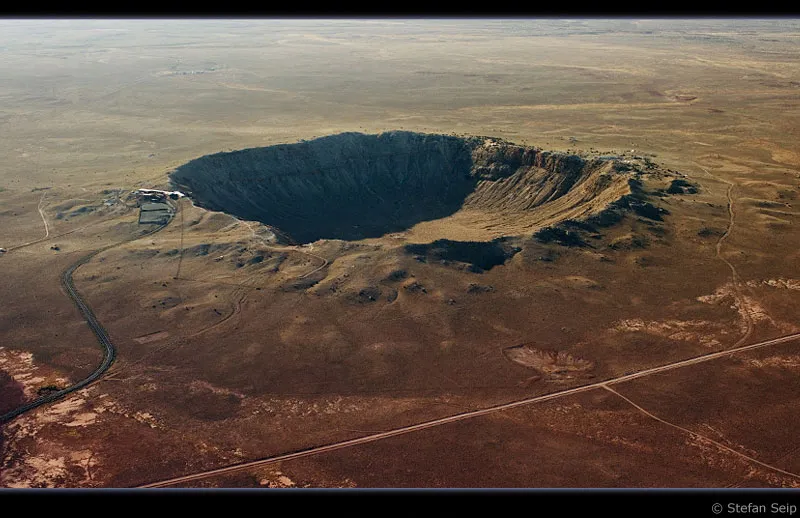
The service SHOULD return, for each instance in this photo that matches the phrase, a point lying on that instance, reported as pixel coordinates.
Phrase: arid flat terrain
(413, 253)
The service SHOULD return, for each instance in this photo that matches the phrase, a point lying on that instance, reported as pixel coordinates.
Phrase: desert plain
(314, 338)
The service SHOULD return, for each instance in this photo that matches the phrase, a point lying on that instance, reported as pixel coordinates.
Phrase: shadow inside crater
(348, 186)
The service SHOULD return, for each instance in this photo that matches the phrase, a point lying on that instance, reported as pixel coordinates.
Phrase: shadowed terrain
(481, 256)
(348, 186)
(353, 186)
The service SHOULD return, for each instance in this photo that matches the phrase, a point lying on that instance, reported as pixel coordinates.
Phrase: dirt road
(474, 413)
(740, 300)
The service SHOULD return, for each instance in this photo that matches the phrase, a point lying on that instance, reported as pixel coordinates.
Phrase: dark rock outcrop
(560, 236)
(478, 255)
(680, 186)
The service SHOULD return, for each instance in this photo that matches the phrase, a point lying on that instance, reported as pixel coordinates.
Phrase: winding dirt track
(740, 300)
(287, 249)
(44, 219)
(470, 414)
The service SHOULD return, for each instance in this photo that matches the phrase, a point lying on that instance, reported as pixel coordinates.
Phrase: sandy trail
(740, 299)
(287, 249)
(702, 437)
(44, 219)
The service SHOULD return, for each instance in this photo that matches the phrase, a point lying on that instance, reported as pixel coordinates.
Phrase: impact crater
(354, 186)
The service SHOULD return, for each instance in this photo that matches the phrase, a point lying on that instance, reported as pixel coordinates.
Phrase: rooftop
(147, 207)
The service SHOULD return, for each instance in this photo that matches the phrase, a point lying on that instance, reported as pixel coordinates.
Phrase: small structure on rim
(154, 213)
(150, 196)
